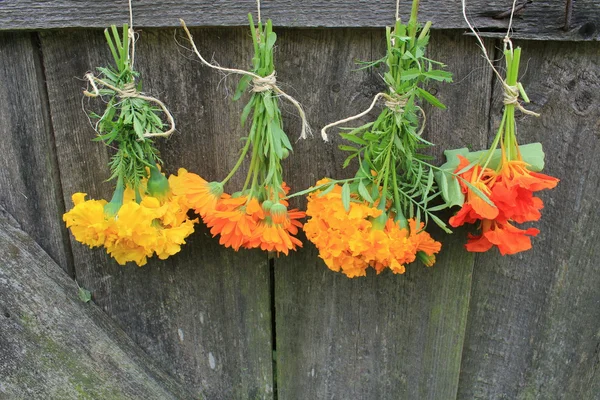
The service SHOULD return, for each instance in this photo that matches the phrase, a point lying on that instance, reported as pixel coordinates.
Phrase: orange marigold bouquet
(495, 188)
(144, 217)
(257, 216)
(378, 218)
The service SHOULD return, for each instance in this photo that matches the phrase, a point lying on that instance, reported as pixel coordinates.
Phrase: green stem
(318, 187)
(238, 163)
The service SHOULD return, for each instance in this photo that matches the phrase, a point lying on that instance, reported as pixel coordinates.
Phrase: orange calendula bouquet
(495, 188)
(144, 217)
(378, 218)
(257, 216)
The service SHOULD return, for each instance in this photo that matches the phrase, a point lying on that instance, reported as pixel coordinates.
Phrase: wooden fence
(239, 325)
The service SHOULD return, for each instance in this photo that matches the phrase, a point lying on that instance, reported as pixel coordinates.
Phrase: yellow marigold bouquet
(378, 217)
(144, 217)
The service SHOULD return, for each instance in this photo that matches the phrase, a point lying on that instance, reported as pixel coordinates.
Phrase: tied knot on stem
(263, 84)
(127, 92)
(511, 97)
(395, 102)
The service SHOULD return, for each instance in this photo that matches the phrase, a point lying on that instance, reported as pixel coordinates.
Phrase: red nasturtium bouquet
(256, 216)
(501, 182)
(377, 218)
(144, 217)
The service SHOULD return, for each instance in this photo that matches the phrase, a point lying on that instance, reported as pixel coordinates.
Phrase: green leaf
(439, 75)
(246, 111)
(271, 39)
(478, 192)
(349, 159)
(268, 102)
(242, 86)
(440, 223)
(344, 147)
(431, 99)
(324, 192)
(85, 295)
(410, 74)
(364, 193)
(354, 139)
(346, 196)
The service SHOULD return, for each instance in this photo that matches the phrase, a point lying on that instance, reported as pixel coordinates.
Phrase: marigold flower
(131, 231)
(87, 220)
(350, 241)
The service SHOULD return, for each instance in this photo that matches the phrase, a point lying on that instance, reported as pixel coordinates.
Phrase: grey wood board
(53, 345)
(384, 336)
(534, 324)
(29, 177)
(536, 20)
(204, 313)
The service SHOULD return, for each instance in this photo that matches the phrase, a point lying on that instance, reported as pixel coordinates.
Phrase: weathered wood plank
(534, 324)
(204, 313)
(536, 20)
(29, 177)
(52, 345)
(387, 336)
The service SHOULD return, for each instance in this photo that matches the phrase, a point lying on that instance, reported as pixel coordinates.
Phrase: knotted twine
(259, 83)
(129, 91)
(511, 93)
(393, 101)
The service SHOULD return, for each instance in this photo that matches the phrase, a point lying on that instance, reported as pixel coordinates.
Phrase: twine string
(129, 91)
(131, 35)
(397, 10)
(263, 84)
(394, 102)
(258, 10)
(511, 93)
(260, 83)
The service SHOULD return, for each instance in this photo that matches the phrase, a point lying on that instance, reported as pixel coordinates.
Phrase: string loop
(263, 84)
(260, 83)
(129, 91)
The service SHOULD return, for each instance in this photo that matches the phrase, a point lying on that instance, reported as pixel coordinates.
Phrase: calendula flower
(202, 196)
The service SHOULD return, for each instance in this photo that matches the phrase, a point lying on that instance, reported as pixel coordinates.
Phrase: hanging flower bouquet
(507, 177)
(144, 217)
(256, 216)
(378, 217)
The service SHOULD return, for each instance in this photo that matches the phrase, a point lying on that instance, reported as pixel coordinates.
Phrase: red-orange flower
(475, 208)
(511, 190)
(508, 238)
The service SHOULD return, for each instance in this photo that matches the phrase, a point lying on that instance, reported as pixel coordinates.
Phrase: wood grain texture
(534, 324)
(29, 177)
(536, 20)
(387, 336)
(204, 314)
(53, 345)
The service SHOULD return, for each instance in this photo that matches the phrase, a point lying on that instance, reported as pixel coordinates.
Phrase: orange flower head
(201, 195)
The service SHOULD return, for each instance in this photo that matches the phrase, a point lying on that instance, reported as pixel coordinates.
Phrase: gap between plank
(40, 69)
